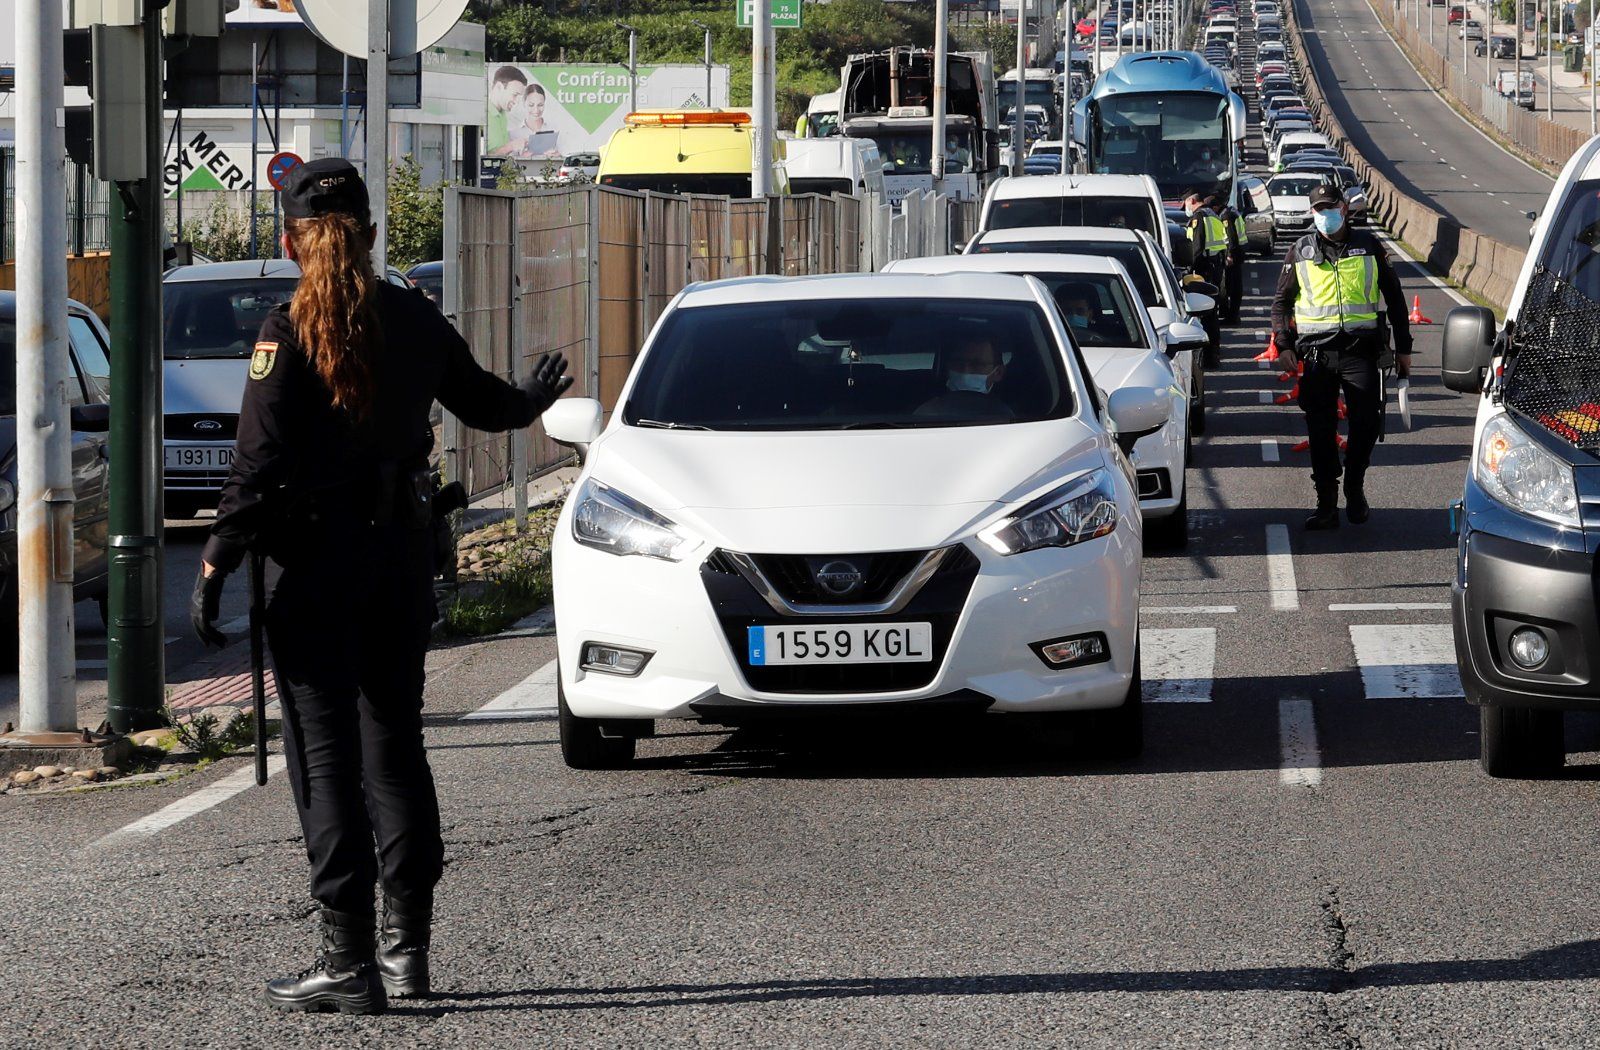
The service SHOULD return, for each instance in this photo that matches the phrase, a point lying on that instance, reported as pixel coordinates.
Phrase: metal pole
(941, 73)
(710, 92)
(135, 675)
(378, 128)
(1488, 42)
(1549, 61)
(761, 92)
(1594, 115)
(633, 70)
(44, 497)
(255, 142)
(1099, 20)
(344, 108)
(1021, 94)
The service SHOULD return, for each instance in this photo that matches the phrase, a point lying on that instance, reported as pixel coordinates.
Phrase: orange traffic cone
(1416, 311)
(1284, 399)
(1292, 375)
(1271, 352)
(1344, 413)
(1305, 446)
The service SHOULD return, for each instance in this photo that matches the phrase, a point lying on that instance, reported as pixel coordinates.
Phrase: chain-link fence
(587, 270)
(88, 207)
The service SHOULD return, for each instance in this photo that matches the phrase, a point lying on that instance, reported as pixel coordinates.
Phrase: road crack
(1330, 1023)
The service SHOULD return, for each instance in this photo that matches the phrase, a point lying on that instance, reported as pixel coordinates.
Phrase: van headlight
(1082, 509)
(611, 521)
(1513, 469)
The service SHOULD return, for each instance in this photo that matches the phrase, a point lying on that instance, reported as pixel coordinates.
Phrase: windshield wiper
(656, 424)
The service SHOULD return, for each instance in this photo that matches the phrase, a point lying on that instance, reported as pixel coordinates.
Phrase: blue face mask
(1329, 221)
(968, 382)
(1077, 321)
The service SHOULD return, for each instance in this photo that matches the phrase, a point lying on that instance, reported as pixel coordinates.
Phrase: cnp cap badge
(262, 360)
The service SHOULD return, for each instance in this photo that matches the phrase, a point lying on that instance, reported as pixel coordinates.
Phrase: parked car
(428, 278)
(579, 167)
(1456, 14)
(88, 392)
(796, 509)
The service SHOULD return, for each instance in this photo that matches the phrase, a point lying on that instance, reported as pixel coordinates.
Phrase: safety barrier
(1479, 263)
(587, 270)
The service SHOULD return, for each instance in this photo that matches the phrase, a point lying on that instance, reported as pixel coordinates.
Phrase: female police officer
(331, 479)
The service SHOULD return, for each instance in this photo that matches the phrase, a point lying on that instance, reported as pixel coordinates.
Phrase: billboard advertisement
(544, 111)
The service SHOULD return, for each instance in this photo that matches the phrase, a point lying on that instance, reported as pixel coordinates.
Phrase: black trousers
(1353, 373)
(1214, 270)
(348, 624)
(1234, 291)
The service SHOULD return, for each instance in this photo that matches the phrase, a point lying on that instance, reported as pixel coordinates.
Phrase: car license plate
(854, 643)
(199, 457)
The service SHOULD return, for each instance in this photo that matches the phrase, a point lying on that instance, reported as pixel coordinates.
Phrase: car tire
(583, 744)
(1119, 731)
(1524, 742)
(1197, 408)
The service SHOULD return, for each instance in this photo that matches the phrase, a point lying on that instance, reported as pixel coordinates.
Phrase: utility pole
(710, 104)
(941, 77)
(1099, 22)
(633, 67)
(761, 92)
(1017, 113)
(44, 496)
(1549, 60)
(1589, 34)
(378, 128)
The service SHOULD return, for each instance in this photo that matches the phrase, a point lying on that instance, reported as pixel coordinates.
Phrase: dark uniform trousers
(1353, 372)
(348, 624)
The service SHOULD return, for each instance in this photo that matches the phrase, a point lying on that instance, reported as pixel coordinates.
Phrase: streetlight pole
(633, 66)
(941, 72)
(710, 104)
(1549, 61)
(1594, 115)
(1019, 109)
(761, 92)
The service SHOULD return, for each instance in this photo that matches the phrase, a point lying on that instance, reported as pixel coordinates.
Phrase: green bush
(223, 232)
(416, 217)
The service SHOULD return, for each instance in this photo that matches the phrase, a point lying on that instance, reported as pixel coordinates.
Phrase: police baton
(1383, 404)
(258, 661)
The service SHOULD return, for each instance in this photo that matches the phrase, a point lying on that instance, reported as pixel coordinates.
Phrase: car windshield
(1293, 185)
(1572, 251)
(910, 152)
(218, 319)
(837, 364)
(1127, 213)
(1130, 255)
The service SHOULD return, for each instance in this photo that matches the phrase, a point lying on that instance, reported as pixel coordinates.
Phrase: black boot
(1356, 507)
(343, 977)
(403, 947)
(1326, 516)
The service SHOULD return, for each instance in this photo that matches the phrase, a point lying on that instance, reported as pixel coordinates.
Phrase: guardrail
(1481, 264)
(587, 270)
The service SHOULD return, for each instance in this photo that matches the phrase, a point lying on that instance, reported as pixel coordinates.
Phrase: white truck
(1517, 88)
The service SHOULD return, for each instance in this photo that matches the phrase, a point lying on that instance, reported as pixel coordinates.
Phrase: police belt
(390, 493)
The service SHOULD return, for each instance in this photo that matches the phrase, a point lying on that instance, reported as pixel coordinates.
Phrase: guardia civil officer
(1338, 302)
(1238, 241)
(1208, 235)
(331, 479)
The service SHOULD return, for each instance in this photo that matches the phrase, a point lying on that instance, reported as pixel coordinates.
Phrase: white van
(1131, 202)
(822, 116)
(1523, 597)
(834, 165)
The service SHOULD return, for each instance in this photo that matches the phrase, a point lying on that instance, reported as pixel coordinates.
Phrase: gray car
(88, 396)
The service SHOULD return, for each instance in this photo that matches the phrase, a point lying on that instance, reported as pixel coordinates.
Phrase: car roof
(1010, 262)
(737, 290)
(1072, 185)
(240, 270)
(8, 306)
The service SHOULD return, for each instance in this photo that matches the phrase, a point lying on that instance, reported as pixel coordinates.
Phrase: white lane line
(1188, 610)
(1178, 664)
(1269, 450)
(1301, 765)
(531, 699)
(211, 795)
(1406, 661)
(1389, 607)
(1280, 569)
(1400, 253)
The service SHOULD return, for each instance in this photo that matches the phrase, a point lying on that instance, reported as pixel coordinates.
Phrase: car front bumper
(690, 619)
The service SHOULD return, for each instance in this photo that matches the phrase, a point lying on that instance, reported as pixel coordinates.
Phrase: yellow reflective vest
(1337, 294)
(1213, 239)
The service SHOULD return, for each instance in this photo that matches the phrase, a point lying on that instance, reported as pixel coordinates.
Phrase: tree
(416, 216)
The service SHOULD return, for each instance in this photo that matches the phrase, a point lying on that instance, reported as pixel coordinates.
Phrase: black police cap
(325, 187)
(1326, 194)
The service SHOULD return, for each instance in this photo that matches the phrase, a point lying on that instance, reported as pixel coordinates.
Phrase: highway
(1408, 132)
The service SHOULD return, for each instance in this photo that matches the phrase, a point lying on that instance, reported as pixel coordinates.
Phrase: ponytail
(335, 306)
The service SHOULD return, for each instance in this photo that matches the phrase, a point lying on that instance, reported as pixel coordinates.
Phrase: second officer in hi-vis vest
(1339, 302)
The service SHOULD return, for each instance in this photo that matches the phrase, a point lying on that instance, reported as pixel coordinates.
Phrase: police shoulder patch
(263, 359)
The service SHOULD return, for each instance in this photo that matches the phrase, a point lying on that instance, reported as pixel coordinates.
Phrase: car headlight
(1082, 509)
(1513, 469)
(608, 520)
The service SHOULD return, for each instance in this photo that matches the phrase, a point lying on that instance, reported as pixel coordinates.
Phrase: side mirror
(1469, 333)
(91, 419)
(1200, 302)
(1185, 335)
(1161, 317)
(574, 421)
(1136, 411)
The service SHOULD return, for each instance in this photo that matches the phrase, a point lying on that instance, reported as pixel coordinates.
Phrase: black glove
(548, 382)
(204, 604)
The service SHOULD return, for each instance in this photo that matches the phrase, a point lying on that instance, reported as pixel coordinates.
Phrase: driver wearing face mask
(972, 370)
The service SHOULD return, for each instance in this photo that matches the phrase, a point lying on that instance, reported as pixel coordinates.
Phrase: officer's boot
(403, 947)
(343, 978)
(1326, 516)
(1356, 507)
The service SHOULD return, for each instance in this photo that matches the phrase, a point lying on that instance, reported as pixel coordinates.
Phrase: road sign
(785, 13)
(279, 167)
(413, 24)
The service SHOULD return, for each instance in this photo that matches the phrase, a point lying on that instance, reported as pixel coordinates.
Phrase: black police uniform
(344, 507)
(1233, 286)
(1340, 362)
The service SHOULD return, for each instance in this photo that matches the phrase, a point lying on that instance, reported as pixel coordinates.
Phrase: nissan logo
(839, 578)
(207, 424)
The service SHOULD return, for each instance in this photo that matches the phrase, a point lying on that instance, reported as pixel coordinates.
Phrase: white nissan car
(865, 493)
(1097, 299)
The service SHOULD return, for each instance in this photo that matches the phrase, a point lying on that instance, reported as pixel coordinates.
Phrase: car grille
(795, 576)
(738, 607)
(201, 426)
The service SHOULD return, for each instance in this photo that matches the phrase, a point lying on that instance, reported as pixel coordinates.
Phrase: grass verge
(517, 585)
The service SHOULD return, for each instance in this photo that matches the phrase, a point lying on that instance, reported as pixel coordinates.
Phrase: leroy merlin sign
(785, 13)
(204, 165)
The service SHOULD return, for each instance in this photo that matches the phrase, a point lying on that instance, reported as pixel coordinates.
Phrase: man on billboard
(506, 92)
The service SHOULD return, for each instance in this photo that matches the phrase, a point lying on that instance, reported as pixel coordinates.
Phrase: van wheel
(583, 745)
(1120, 730)
(1197, 408)
(1521, 741)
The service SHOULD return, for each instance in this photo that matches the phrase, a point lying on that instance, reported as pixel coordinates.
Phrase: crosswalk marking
(531, 699)
(1178, 664)
(1406, 661)
(1301, 765)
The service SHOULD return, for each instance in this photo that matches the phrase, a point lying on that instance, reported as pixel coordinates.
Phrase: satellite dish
(413, 24)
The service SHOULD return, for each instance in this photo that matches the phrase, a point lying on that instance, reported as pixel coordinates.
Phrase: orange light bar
(684, 118)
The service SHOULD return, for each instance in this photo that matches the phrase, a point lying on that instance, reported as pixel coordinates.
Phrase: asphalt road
(1408, 132)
